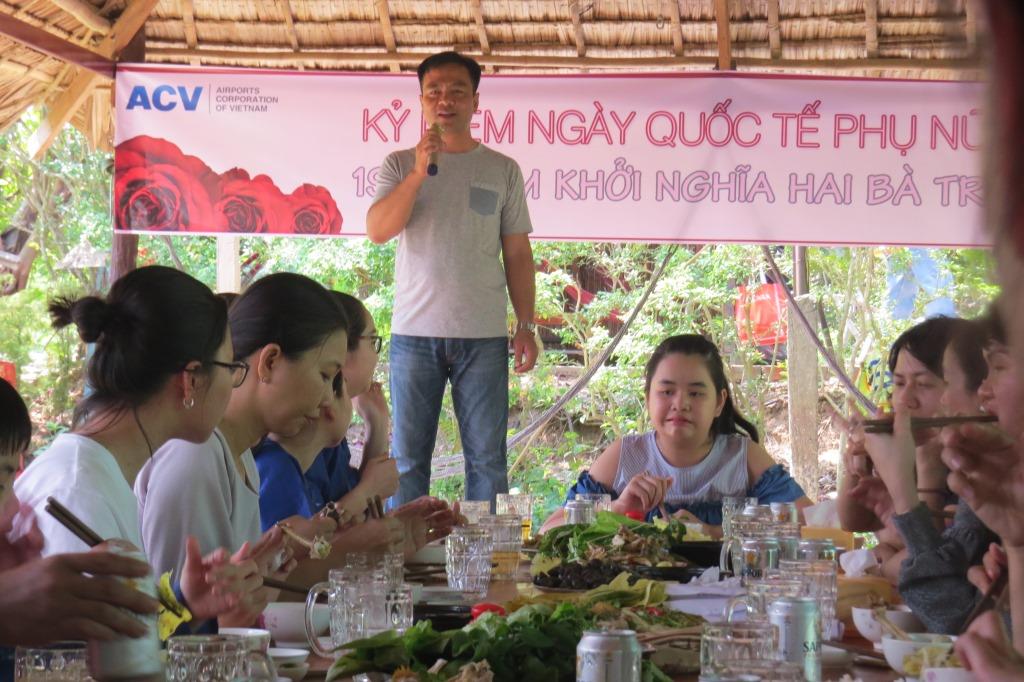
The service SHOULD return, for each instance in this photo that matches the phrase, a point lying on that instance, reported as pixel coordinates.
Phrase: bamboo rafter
(384, 12)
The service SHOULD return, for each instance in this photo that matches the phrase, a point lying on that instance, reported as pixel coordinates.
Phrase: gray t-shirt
(449, 280)
(196, 489)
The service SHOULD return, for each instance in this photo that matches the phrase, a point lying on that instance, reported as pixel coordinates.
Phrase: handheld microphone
(432, 162)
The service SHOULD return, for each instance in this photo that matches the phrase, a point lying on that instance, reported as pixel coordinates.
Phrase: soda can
(608, 656)
(812, 550)
(798, 620)
(129, 658)
(580, 511)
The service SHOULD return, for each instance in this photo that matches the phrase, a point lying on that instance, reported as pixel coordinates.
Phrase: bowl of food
(867, 624)
(911, 656)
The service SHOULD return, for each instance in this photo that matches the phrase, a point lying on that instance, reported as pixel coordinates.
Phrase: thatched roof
(889, 38)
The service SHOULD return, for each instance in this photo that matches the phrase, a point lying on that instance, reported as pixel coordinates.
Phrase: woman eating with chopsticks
(289, 345)
(303, 475)
(699, 450)
(933, 579)
(157, 373)
(864, 504)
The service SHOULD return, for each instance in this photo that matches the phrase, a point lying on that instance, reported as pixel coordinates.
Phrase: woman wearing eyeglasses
(302, 474)
(289, 339)
(161, 370)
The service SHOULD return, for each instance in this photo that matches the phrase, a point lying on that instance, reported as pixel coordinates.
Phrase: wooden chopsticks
(988, 601)
(87, 535)
(885, 425)
(375, 507)
(72, 522)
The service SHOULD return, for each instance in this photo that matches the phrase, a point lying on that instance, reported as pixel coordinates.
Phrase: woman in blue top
(700, 450)
(301, 474)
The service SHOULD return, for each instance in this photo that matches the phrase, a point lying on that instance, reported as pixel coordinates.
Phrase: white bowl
(255, 639)
(294, 672)
(896, 650)
(867, 625)
(287, 625)
(283, 656)
(947, 675)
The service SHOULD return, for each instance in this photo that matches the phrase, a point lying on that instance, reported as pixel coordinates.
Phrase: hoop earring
(188, 403)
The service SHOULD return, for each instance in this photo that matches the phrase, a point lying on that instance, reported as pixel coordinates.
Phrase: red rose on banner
(157, 187)
(250, 205)
(314, 211)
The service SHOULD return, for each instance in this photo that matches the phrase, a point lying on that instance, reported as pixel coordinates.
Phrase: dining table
(501, 592)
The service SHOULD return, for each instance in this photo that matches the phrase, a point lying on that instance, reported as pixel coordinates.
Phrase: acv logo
(164, 98)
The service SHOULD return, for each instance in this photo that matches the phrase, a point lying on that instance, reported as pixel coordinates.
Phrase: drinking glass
(468, 560)
(741, 528)
(506, 541)
(601, 501)
(398, 608)
(819, 578)
(784, 512)
(767, 671)
(721, 642)
(731, 508)
(253, 639)
(758, 512)
(817, 549)
(786, 530)
(348, 608)
(520, 504)
(392, 566)
(789, 547)
(760, 593)
(580, 512)
(211, 658)
(474, 509)
(756, 556)
(60, 662)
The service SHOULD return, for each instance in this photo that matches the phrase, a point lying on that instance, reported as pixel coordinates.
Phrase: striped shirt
(722, 473)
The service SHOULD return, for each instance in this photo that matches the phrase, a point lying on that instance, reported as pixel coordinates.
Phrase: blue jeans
(478, 372)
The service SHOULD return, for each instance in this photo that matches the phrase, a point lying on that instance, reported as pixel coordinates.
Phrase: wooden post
(229, 267)
(125, 254)
(800, 285)
(802, 359)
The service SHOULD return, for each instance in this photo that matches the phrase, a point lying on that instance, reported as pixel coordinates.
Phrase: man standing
(450, 321)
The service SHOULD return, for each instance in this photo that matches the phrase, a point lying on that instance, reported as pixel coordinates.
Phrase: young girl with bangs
(700, 449)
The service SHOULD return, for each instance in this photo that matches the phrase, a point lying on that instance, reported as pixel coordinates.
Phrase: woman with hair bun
(161, 370)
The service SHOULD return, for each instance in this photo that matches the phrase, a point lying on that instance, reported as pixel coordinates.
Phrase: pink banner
(652, 158)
